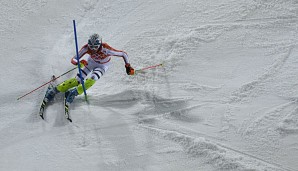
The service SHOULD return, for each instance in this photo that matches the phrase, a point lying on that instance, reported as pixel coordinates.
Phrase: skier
(96, 65)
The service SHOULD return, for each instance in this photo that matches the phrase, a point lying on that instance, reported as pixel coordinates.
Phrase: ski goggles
(93, 47)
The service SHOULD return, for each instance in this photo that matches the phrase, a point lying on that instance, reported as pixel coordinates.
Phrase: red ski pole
(46, 83)
(149, 67)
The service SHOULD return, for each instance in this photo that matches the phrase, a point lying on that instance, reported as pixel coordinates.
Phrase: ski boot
(70, 95)
(50, 94)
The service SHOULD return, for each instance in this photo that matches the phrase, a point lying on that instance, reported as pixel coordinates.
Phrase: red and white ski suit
(99, 61)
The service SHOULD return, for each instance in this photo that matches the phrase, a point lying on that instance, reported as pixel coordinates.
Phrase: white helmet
(94, 42)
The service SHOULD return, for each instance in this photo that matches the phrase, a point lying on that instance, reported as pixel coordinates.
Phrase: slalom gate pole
(47, 82)
(149, 67)
(78, 58)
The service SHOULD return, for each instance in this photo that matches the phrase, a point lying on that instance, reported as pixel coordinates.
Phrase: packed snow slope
(226, 98)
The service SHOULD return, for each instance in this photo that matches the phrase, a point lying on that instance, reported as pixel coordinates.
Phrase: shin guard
(88, 83)
(67, 84)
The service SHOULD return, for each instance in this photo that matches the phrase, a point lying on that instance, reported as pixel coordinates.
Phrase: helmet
(94, 42)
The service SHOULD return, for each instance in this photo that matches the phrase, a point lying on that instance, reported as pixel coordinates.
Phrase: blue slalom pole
(78, 58)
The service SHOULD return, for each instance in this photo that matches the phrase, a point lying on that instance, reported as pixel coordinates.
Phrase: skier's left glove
(129, 69)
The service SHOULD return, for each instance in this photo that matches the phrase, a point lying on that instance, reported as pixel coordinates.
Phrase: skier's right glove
(82, 63)
(129, 69)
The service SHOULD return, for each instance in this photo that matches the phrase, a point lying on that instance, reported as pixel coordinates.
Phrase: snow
(225, 98)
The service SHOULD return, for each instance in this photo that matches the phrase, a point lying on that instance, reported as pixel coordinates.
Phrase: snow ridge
(220, 157)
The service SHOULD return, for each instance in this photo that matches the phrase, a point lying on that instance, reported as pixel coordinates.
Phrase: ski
(66, 107)
(45, 101)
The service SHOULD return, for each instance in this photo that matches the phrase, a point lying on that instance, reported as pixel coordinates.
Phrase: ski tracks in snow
(216, 154)
(194, 143)
(257, 86)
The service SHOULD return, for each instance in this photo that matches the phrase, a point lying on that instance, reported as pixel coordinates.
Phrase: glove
(82, 63)
(129, 69)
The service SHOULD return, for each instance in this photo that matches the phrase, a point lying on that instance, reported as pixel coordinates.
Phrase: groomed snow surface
(226, 98)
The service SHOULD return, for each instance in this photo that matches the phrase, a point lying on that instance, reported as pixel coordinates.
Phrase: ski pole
(47, 83)
(149, 67)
